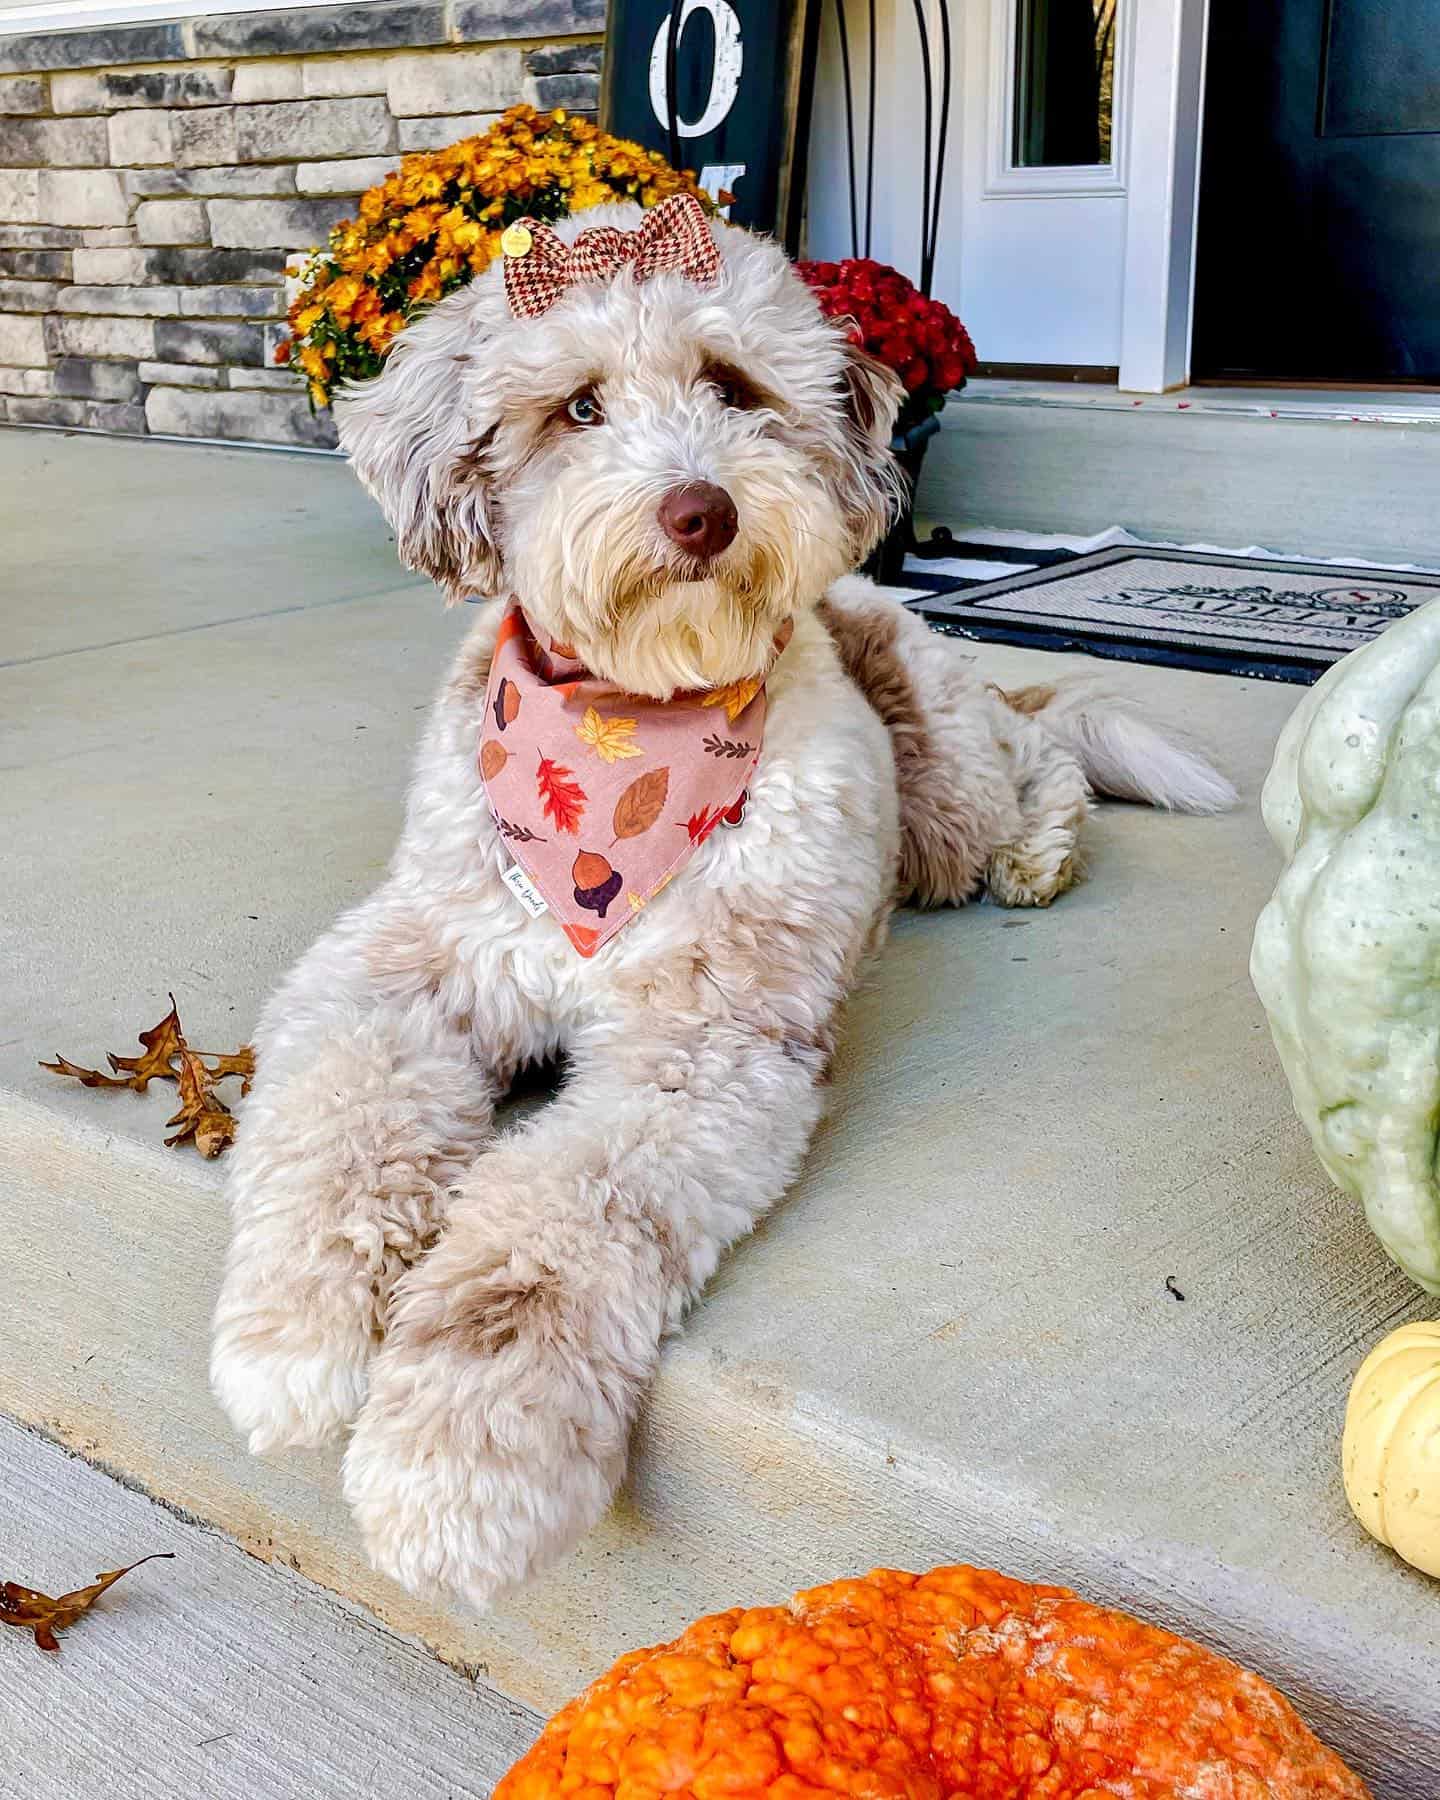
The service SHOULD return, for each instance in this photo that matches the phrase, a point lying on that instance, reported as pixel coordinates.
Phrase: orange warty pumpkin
(956, 1685)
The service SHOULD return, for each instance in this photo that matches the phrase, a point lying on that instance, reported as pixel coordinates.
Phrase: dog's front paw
(470, 1474)
(283, 1382)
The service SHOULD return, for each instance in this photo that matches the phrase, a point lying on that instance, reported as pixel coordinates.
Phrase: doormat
(1240, 615)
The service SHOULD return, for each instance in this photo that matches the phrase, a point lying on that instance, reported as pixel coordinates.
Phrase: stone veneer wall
(156, 179)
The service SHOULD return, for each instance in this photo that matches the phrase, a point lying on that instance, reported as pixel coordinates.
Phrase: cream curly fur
(486, 1311)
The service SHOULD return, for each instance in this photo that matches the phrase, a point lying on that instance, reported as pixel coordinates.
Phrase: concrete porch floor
(954, 1342)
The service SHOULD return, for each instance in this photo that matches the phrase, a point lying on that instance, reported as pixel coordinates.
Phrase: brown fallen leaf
(203, 1115)
(86, 1077)
(39, 1614)
(204, 1118)
(161, 1043)
(239, 1062)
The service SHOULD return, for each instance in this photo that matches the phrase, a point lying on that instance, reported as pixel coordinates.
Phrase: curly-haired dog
(665, 466)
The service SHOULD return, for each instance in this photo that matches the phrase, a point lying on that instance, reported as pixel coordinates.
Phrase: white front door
(1067, 219)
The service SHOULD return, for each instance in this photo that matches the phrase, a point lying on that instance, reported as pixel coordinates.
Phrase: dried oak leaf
(162, 1043)
(86, 1077)
(38, 1613)
(203, 1115)
(239, 1062)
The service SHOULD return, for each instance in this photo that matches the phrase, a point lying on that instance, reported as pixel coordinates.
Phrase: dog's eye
(585, 409)
(732, 387)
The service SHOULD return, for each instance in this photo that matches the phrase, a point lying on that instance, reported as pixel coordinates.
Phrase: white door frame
(1166, 117)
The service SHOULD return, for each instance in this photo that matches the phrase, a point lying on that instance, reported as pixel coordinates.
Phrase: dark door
(1318, 257)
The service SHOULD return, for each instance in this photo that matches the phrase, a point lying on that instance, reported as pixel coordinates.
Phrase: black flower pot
(886, 562)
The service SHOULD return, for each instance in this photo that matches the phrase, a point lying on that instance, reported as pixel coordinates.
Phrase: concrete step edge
(741, 1489)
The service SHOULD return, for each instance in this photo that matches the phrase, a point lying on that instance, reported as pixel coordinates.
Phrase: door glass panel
(1064, 82)
(1382, 68)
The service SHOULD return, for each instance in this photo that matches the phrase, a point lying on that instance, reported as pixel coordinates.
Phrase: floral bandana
(673, 238)
(603, 797)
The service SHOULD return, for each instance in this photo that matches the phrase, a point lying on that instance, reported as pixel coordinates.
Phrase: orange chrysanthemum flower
(435, 223)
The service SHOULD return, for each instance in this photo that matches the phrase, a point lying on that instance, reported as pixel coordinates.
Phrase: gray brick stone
(233, 303)
(385, 25)
(243, 417)
(89, 415)
(22, 341)
(271, 381)
(109, 237)
(80, 379)
(38, 237)
(350, 176)
(563, 59)
(140, 137)
(263, 223)
(172, 222)
(36, 265)
(312, 128)
(82, 197)
(129, 302)
(193, 268)
(128, 338)
(23, 94)
(475, 21)
(117, 88)
(184, 340)
(54, 143)
(205, 136)
(266, 179)
(567, 90)
(267, 81)
(342, 75)
(460, 82)
(30, 381)
(179, 375)
(20, 195)
(106, 46)
(435, 134)
(28, 296)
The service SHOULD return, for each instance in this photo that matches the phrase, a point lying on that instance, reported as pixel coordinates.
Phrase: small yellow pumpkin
(1392, 1444)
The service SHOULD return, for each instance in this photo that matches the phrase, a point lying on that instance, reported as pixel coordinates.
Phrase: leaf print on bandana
(641, 804)
(701, 824)
(608, 738)
(493, 758)
(583, 937)
(715, 745)
(735, 696)
(563, 797)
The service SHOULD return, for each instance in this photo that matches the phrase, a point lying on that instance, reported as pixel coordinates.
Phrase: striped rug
(1241, 612)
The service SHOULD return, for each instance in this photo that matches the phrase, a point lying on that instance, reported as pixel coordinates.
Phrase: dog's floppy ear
(871, 485)
(416, 444)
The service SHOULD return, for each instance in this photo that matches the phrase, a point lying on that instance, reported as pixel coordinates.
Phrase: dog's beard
(596, 572)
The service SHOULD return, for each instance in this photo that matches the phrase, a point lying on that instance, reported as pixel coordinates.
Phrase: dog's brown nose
(699, 518)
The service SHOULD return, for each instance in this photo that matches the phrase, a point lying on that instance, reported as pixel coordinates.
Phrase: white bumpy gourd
(1346, 958)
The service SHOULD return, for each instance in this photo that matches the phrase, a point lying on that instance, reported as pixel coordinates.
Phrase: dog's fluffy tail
(1122, 753)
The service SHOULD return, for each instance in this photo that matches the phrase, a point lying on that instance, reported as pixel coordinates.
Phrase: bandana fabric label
(602, 796)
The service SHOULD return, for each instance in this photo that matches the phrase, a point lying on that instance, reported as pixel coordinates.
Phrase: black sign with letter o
(743, 73)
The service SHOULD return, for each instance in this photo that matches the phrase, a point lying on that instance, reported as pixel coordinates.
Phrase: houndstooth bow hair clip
(674, 238)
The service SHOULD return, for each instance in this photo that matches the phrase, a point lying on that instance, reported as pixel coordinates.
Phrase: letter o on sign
(724, 77)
